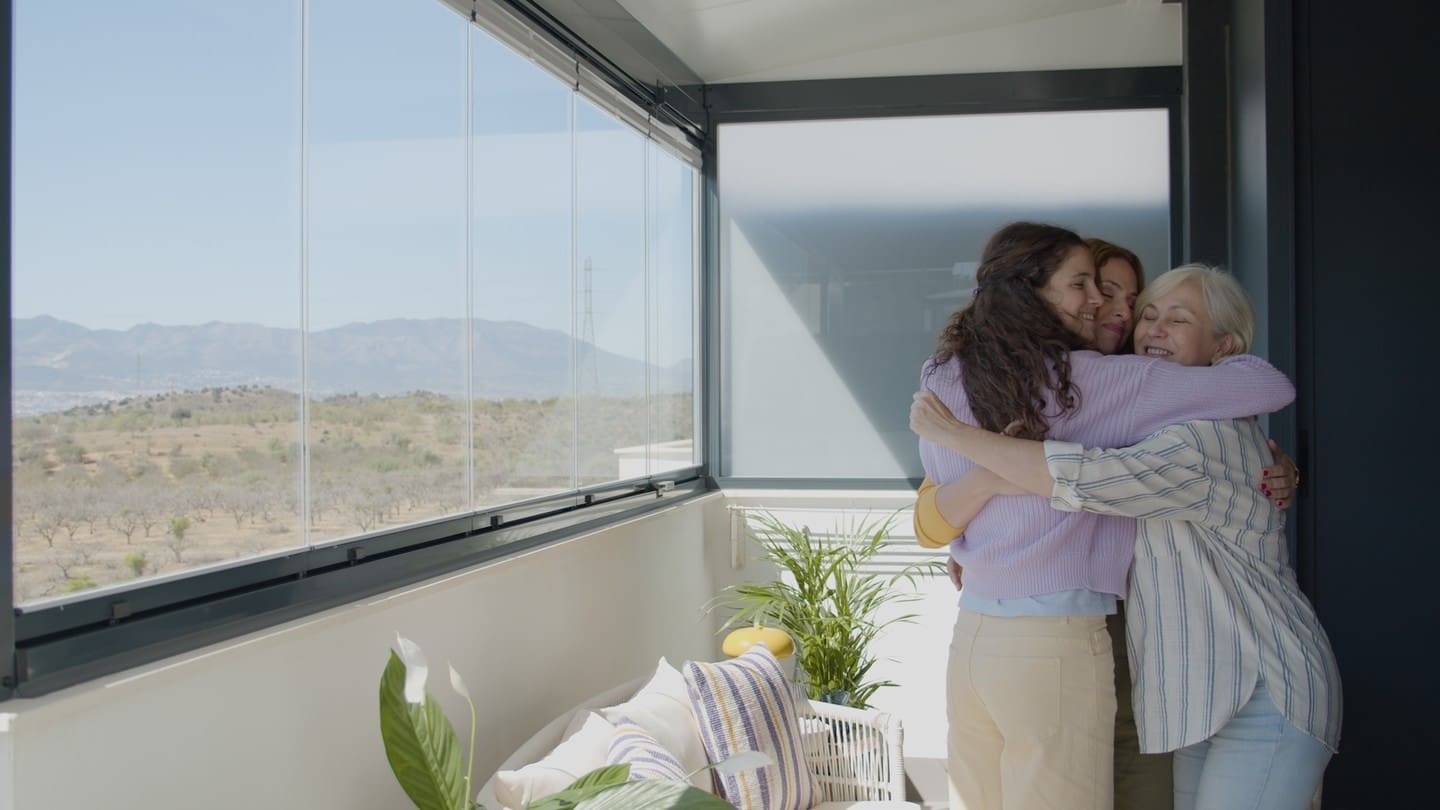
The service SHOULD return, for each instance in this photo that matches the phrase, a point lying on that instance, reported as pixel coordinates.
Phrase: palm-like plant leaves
(824, 601)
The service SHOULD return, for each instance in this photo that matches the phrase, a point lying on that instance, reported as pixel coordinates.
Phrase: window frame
(7, 477)
(57, 647)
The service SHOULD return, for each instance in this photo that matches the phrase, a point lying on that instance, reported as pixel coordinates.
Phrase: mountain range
(58, 363)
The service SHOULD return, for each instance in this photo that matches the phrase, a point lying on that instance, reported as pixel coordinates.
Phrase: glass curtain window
(386, 266)
(610, 247)
(156, 278)
(522, 198)
(671, 255)
(320, 270)
(845, 245)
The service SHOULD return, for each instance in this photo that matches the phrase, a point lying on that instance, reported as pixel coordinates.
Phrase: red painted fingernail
(1264, 486)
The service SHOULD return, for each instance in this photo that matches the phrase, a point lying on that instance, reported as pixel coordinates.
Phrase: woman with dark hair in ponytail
(1031, 690)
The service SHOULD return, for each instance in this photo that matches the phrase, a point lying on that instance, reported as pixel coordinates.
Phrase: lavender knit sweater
(1018, 545)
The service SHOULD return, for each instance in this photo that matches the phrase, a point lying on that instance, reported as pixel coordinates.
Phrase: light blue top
(1079, 602)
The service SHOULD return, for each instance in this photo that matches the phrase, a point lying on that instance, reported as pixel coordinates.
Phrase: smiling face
(1177, 327)
(1072, 294)
(1119, 284)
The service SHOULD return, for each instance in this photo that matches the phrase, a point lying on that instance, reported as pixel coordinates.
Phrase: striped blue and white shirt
(1213, 605)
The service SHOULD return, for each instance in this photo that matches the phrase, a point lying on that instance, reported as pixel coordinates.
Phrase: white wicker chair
(854, 753)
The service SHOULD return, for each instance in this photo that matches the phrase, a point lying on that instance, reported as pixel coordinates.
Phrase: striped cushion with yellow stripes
(745, 704)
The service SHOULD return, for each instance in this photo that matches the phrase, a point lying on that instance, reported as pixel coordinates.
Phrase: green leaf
(655, 794)
(824, 600)
(583, 788)
(603, 777)
(420, 745)
(552, 802)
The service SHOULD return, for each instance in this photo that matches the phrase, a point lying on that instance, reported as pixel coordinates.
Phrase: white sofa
(855, 754)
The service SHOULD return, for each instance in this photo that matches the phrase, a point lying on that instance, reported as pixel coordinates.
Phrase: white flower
(457, 684)
(416, 670)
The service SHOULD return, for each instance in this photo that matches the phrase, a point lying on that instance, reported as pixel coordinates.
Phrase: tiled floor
(926, 778)
(927, 785)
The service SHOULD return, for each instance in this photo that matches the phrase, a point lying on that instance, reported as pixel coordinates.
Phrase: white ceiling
(768, 40)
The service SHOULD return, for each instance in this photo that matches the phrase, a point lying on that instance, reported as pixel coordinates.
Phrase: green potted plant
(826, 601)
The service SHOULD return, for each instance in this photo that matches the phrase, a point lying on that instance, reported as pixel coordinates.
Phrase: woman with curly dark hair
(1031, 701)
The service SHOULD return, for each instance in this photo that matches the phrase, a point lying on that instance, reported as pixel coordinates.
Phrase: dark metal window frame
(897, 97)
(7, 477)
(98, 635)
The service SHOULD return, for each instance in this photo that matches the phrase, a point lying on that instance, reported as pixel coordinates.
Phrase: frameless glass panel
(845, 245)
(524, 407)
(156, 283)
(387, 386)
(610, 293)
(672, 322)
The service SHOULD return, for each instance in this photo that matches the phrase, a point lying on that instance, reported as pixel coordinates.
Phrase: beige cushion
(580, 753)
(662, 708)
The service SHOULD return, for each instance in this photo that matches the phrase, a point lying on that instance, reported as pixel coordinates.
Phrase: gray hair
(1228, 305)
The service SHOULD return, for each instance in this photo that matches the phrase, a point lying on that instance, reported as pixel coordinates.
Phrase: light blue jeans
(1257, 761)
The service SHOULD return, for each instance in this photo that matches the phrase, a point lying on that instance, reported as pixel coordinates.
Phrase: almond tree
(175, 541)
(239, 503)
(125, 521)
(47, 521)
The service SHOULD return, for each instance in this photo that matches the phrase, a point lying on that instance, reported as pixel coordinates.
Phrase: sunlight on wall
(789, 428)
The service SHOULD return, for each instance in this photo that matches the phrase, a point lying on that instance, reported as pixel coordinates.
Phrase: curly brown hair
(1011, 344)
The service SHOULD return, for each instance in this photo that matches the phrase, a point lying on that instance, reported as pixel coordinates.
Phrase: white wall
(288, 718)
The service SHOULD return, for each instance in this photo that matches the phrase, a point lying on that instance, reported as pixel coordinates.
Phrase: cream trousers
(1031, 708)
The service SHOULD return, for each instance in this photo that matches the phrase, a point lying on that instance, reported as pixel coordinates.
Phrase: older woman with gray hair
(1232, 670)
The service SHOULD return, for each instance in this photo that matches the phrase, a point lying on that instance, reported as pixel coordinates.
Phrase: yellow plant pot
(774, 639)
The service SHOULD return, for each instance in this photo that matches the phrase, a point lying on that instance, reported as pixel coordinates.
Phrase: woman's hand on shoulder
(930, 418)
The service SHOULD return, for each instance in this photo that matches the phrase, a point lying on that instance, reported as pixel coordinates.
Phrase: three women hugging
(1129, 410)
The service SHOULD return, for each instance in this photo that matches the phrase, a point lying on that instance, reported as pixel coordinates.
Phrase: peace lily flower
(416, 670)
(458, 685)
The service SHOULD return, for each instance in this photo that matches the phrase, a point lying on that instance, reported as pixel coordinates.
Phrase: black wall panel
(1368, 317)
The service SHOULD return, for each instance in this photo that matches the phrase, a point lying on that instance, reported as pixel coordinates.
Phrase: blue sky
(157, 164)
